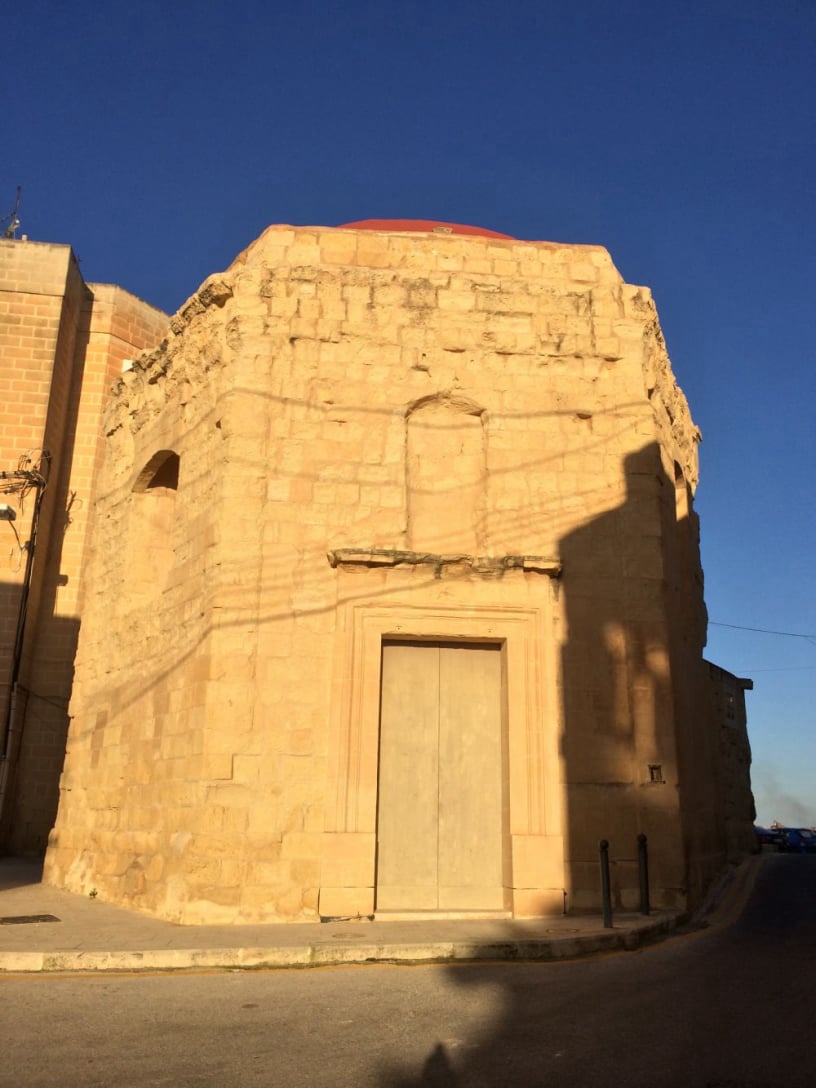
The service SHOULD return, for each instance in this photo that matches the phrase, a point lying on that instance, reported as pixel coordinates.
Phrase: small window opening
(167, 475)
(162, 470)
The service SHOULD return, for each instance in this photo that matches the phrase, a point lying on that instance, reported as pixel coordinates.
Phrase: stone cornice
(490, 565)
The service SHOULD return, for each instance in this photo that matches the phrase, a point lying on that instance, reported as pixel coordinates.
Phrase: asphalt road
(731, 1006)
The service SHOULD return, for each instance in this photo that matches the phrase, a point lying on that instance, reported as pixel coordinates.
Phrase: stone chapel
(391, 598)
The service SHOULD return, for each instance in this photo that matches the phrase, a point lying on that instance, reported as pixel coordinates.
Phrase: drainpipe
(20, 480)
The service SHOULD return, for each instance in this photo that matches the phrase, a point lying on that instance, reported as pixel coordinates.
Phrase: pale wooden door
(440, 800)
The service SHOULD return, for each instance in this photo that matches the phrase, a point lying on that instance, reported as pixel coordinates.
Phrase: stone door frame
(534, 877)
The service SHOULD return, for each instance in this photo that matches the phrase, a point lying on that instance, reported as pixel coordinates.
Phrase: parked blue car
(798, 840)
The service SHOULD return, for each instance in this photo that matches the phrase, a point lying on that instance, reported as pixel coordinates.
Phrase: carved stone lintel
(489, 565)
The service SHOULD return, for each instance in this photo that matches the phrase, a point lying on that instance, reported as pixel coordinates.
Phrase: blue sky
(160, 138)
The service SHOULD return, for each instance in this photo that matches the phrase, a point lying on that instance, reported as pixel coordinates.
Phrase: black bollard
(643, 871)
(606, 897)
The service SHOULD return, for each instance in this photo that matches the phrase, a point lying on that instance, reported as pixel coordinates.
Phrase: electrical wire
(763, 630)
(784, 668)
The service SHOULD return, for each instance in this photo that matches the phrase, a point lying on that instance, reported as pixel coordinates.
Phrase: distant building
(730, 720)
(392, 599)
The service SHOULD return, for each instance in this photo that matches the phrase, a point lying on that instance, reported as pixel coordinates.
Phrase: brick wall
(62, 344)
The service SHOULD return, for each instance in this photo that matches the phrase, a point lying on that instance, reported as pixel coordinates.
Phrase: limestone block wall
(62, 344)
(352, 436)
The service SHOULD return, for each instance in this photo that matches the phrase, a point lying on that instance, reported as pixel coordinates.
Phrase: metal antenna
(11, 220)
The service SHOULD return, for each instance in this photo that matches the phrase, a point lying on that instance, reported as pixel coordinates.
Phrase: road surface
(731, 1006)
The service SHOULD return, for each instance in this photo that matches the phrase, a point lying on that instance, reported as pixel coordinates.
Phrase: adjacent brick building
(393, 601)
(62, 343)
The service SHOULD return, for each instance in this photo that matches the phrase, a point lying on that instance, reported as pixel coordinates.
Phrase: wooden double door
(441, 805)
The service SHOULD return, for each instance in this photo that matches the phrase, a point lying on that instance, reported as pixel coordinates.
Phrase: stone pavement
(90, 935)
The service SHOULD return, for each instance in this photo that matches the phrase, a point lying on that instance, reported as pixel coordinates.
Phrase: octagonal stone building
(394, 601)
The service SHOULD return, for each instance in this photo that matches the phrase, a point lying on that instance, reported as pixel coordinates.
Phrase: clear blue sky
(160, 138)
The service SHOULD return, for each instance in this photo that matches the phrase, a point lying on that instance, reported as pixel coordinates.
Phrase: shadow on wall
(33, 725)
(615, 682)
(33, 737)
(634, 696)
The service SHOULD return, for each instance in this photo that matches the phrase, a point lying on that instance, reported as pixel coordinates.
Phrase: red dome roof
(431, 226)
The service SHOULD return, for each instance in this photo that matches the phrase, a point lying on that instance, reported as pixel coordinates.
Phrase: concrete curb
(322, 954)
(730, 893)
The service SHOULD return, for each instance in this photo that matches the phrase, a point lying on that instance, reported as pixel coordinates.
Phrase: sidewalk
(89, 935)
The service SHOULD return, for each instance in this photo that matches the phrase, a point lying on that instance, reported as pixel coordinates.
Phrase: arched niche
(445, 471)
(152, 524)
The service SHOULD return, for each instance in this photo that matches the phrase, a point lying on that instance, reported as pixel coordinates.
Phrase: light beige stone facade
(393, 527)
